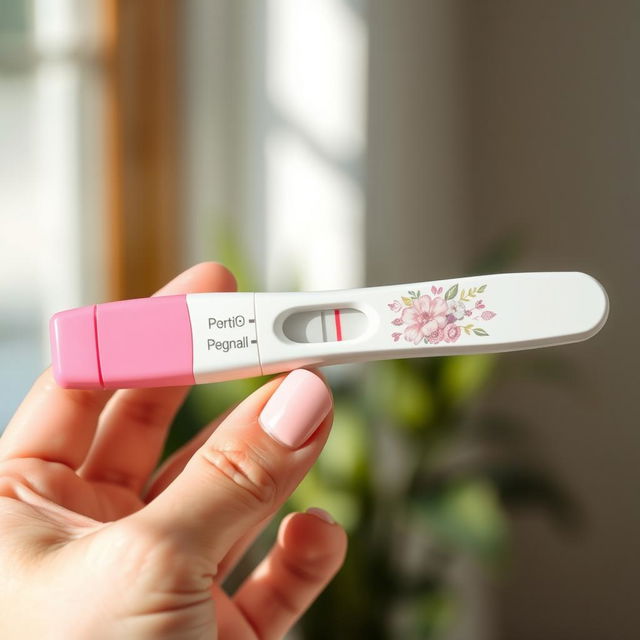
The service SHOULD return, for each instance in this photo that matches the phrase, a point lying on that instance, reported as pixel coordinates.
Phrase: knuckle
(41, 476)
(287, 601)
(245, 470)
(140, 411)
(304, 573)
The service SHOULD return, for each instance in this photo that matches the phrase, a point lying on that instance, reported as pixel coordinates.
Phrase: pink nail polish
(321, 513)
(296, 409)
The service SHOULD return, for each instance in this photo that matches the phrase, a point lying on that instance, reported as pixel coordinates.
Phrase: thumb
(247, 468)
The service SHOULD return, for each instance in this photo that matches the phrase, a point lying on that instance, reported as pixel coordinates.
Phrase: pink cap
(73, 348)
(133, 343)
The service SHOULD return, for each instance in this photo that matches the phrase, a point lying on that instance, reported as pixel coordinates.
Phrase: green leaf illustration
(480, 332)
(482, 288)
(467, 329)
(451, 292)
(469, 294)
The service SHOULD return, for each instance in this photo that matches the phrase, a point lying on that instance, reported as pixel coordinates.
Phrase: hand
(94, 545)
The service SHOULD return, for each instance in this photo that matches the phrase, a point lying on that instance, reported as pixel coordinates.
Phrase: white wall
(418, 177)
(419, 181)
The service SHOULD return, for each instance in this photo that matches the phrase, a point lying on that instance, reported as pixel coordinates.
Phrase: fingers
(53, 423)
(134, 425)
(59, 424)
(309, 551)
(247, 468)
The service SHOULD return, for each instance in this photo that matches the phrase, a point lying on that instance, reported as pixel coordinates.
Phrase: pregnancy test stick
(207, 337)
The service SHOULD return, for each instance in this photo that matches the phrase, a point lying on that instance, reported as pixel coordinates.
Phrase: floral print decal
(440, 318)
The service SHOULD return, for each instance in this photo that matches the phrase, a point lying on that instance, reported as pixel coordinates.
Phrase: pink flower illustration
(437, 317)
(436, 336)
(457, 309)
(423, 318)
(452, 332)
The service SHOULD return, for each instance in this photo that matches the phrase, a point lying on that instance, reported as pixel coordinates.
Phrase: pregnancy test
(208, 337)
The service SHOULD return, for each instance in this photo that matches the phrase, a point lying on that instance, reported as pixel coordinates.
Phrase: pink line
(336, 315)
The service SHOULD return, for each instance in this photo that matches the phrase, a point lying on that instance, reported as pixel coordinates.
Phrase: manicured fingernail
(296, 409)
(321, 513)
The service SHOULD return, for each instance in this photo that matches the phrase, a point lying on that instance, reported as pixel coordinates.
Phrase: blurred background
(319, 144)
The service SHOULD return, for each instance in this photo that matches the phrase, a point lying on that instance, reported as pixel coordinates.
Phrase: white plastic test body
(208, 337)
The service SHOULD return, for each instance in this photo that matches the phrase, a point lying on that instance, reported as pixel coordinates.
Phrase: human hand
(94, 544)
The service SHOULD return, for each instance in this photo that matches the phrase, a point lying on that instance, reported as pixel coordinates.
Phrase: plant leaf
(482, 288)
(452, 292)
(464, 376)
(467, 516)
(480, 332)
(401, 395)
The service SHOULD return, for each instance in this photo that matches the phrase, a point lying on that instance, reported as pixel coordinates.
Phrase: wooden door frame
(143, 230)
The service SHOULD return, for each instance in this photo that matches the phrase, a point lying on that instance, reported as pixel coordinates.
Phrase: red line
(95, 337)
(336, 315)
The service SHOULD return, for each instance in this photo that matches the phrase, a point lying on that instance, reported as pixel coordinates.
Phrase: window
(48, 162)
(276, 136)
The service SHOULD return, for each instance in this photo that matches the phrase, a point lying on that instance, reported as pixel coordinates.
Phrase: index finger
(59, 424)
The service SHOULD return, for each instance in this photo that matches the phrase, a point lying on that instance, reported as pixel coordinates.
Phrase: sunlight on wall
(58, 185)
(62, 34)
(317, 58)
(314, 144)
(315, 228)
